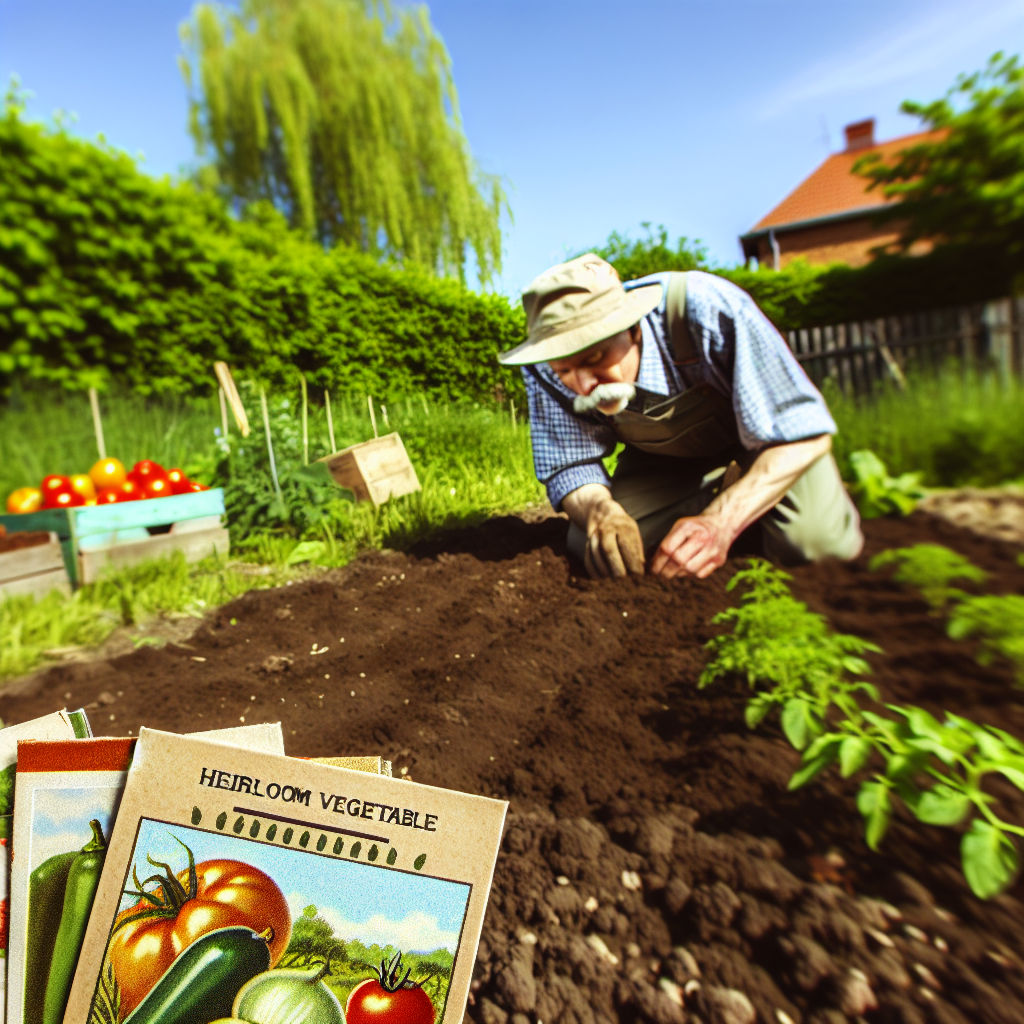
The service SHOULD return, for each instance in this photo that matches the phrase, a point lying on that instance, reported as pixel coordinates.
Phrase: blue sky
(599, 114)
(415, 913)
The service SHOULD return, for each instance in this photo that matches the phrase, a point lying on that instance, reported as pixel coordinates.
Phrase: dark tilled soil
(655, 867)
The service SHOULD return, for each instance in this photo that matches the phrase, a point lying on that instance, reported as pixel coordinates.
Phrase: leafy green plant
(931, 568)
(998, 622)
(877, 493)
(937, 770)
(788, 653)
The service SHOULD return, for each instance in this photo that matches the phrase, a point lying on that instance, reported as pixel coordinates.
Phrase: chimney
(860, 135)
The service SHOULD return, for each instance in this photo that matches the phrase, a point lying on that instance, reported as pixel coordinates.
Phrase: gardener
(725, 437)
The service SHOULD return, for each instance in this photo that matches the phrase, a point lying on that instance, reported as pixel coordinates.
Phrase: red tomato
(179, 482)
(108, 473)
(156, 487)
(227, 893)
(63, 499)
(108, 495)
(196, 486)
(146, 468)
(390, 998)
(25, 499)
(129, 491)
(54, 482)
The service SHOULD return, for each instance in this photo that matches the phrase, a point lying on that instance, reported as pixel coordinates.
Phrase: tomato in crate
(179, 482)
(25, 499)
(82, 484)
(108, 473)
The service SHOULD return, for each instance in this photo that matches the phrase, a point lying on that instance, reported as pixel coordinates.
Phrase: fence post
(996, 317)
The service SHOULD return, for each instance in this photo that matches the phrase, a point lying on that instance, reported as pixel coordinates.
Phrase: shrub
(107, 274)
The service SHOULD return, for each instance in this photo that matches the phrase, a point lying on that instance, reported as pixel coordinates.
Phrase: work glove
(614, 546)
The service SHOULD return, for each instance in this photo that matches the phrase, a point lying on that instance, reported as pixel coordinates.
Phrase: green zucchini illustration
(79, 892)
(201, 985)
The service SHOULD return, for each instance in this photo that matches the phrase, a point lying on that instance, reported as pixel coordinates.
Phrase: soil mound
(655, 867)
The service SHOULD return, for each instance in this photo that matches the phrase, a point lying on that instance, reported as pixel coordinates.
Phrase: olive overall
(677, 451)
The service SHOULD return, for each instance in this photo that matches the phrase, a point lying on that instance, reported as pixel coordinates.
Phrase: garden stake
(223, 413)
(384, 413)
(305, 421)
(330, 419)
(373, 418)
(270, 446)
(97, 423)
(426, 410)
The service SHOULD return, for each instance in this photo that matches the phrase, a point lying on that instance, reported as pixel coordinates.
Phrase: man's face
(616, 360)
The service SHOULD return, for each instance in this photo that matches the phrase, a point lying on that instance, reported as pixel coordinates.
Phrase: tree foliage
(108, 274)
(344, 115)
(966, 184)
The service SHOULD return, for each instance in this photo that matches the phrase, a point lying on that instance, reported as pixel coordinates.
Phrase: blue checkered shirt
(742, 355)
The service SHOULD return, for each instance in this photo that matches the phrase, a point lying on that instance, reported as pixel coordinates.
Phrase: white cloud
(416, 933)
(898, 52)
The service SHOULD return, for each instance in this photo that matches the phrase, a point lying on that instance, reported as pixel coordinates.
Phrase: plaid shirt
(742, 356)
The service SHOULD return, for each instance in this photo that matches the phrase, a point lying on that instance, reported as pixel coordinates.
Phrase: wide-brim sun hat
(574, 305)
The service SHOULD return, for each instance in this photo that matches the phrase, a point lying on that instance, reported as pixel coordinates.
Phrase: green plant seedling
(998, 622)
(931, 568)
(877, 493)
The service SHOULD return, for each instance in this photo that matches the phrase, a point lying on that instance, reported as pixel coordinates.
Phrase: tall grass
(956, 430)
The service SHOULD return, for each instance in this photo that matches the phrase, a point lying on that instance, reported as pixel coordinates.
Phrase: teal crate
(72, 524)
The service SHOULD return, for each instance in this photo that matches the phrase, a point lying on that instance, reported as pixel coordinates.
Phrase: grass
(955, 430)
(472, 460)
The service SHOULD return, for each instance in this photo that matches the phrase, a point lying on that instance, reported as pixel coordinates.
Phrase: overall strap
(684, 349)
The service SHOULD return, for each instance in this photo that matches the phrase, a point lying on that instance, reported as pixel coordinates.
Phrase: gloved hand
(614, 546)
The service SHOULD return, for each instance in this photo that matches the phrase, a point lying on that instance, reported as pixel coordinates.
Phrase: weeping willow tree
(344, 115)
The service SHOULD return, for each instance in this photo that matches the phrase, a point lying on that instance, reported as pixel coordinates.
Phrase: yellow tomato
(108, 473)
(82, 483)
(25, 499)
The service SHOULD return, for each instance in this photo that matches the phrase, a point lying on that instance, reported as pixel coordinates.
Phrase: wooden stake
(373, 418)
(330, 420)
(97, 423)
(384, 413)
(223, 414)
(228, 384)
(305, 420)
(270, 446)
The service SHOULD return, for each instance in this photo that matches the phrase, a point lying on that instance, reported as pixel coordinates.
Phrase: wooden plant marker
(227, 382)
(374, 470)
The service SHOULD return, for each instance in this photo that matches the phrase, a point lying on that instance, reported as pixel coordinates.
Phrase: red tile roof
(834, 188)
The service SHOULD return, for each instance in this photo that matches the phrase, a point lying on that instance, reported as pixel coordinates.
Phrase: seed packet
(61, 725)
(66, 799)
(294, 890)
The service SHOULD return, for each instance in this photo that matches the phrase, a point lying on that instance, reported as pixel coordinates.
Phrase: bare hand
(695, 546)
(614, 546)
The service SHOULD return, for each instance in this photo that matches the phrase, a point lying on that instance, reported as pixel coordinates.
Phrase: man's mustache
(609, 398)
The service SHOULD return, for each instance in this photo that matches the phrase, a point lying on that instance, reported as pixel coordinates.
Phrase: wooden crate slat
(37, 585)
(194, 546)
(151, 512)
(29, 561)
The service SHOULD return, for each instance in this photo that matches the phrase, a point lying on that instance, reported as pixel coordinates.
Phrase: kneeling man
(724, 434)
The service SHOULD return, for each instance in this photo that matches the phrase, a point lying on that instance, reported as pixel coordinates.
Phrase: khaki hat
(575, 305)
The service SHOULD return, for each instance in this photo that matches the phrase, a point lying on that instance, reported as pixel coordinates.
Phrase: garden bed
(481, 661)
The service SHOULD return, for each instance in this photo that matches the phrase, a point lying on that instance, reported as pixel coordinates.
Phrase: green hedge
(108, 273)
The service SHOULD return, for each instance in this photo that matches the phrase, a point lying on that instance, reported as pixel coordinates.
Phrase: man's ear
(635, 334)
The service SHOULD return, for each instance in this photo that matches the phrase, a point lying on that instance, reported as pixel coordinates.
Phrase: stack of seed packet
(210, 878)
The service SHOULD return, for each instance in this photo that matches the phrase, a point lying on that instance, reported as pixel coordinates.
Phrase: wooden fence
(857, 356)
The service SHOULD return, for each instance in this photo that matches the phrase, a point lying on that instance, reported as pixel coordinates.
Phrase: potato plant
(936, 769)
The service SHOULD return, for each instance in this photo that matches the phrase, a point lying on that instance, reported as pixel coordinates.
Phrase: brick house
(828, 217)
